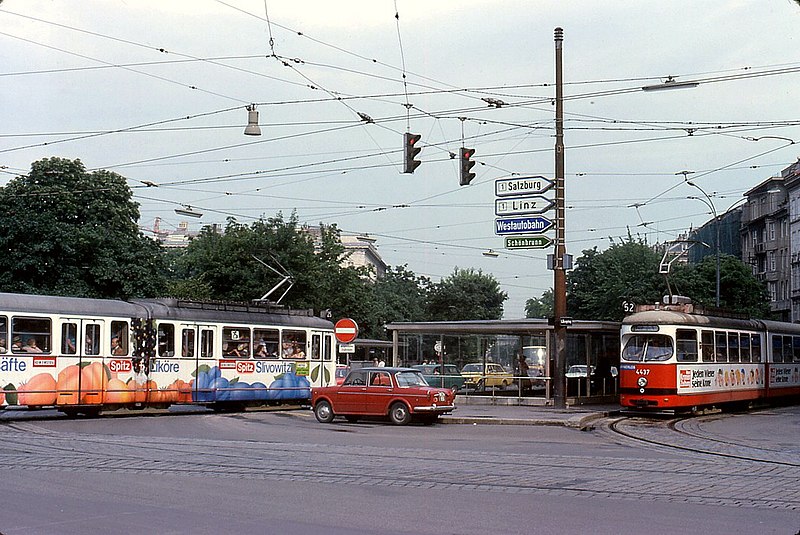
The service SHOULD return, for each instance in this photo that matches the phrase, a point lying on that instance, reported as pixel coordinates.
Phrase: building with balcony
(791, 181)
(765, 242)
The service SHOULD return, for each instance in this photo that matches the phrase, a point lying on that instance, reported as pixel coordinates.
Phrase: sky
(158, 92)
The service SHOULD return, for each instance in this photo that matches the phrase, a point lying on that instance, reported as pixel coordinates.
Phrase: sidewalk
(493, 411)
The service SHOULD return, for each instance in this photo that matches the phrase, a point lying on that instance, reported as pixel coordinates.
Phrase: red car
(399, 393)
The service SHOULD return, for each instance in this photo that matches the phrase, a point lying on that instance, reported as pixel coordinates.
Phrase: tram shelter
(592, 349)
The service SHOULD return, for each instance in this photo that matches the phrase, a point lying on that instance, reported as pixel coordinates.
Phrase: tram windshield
(647, 348)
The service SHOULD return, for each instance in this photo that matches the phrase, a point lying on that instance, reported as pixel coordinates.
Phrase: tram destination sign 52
(525, 185)
(527, 205)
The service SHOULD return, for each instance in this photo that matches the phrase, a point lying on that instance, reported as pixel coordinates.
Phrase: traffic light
(410, 151)
(466, 164)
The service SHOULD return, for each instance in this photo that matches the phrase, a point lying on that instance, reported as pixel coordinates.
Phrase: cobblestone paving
(741, 481)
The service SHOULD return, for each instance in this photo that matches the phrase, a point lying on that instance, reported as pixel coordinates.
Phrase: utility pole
(559, 271)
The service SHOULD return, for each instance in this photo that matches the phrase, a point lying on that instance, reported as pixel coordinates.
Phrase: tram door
(82, 343)
(203, 363)
(321, 347)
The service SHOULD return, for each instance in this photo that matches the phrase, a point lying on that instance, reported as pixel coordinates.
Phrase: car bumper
(435, 408)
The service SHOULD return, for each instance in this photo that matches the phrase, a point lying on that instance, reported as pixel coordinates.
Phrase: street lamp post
(707, 201)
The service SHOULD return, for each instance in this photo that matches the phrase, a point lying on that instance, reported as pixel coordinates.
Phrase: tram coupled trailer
(674, 358)
(86, 355)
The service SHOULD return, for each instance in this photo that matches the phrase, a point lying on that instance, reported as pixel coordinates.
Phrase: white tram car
(87, 355)
(673, 357)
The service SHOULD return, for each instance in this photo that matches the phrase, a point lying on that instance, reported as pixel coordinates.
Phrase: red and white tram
(87, 355)
(673, 357)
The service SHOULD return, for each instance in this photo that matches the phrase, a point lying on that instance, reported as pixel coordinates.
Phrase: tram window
(166, 340)
(120, 333)
(744, 347)
(91, 339)
(187, 343)
(721, 347)
(236, 342)
(777, 348)
(733, 347)
(755, 343)
(267, 343)
(316, 342)
(787, 348)
(293, 344)
(634, 348)
(3, 334)
(206, 343)
(30, 335)
(69, 334)
(796, 348)
(326, 352)
(686, 345)
(707, 342)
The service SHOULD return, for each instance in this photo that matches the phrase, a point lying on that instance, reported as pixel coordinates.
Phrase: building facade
(791, 181)
(765, 242)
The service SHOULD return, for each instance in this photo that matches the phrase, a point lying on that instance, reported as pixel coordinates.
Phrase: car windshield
(577, 370)
(647, 348)
(472, 368)
(342, 372)
(410, 378)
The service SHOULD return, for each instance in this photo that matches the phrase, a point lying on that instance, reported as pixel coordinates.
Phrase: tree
(541, 307)
(223, 265)
(466, 294)
(64, 231)
(602, 281)
(739, 292)
(400, 295)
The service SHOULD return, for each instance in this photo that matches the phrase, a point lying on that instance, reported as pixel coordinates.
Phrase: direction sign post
(522, 225)
(345, 330)
(525, 205)
(528, 242)
(525, 185)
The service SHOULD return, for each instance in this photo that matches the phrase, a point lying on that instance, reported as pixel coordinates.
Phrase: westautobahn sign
(522, 225)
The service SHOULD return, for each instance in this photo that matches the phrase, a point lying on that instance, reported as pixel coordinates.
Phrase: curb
(582, 422)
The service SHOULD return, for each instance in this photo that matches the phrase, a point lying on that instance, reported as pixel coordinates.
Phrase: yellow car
(493, 375)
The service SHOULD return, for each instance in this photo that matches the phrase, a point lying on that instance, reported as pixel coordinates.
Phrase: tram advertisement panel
(784, 375)
(711, 377)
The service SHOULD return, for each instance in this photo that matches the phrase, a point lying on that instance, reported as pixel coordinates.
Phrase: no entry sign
(345, 330)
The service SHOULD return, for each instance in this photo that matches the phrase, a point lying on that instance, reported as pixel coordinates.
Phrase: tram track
(693, 442)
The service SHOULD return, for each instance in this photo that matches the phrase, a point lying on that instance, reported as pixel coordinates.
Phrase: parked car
(400, 394)
(450, 377)
(492, 375)
(579, 370)
(341, 373)
(576, 379)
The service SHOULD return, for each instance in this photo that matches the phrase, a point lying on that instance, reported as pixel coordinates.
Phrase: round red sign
(345, 330)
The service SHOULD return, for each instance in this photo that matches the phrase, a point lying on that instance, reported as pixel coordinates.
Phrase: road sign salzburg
(530, 204)
(525, 185)
(522, 225)
(345, 330)
(528, 242)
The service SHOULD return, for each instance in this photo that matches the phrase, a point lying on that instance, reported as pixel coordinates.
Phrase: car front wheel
(399, 414)
(324, 412)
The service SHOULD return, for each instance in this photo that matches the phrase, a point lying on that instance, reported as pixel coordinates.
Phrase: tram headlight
(642, 382)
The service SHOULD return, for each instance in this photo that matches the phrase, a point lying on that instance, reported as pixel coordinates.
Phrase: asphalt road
(282, 472)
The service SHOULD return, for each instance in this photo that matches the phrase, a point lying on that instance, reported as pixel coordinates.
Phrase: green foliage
(64, 231)
(602, 281)
(466, 294)
(739, 292)
(541, 307)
